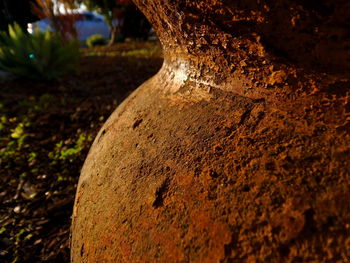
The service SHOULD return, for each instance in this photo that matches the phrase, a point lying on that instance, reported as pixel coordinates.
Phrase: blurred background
(64, 67)
(115, 20)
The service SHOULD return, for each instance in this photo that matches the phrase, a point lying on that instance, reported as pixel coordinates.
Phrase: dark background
(15, 10)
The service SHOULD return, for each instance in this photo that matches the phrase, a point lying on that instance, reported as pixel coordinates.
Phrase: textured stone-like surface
(236, 151)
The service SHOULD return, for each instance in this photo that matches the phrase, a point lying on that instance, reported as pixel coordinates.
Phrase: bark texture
(238, 150)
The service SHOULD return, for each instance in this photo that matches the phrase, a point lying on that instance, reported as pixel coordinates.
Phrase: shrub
(96, 40)
(42, 55)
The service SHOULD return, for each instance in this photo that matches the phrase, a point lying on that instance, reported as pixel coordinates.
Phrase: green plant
(111, 10)
(37, 105)
(12, 139)
(2, 230)
(42, 55)
(96, 40)
(64, 153)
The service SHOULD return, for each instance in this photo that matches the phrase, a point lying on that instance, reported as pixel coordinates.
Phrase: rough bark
(237, 150)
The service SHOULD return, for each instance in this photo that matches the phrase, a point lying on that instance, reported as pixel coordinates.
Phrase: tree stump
(238, 150)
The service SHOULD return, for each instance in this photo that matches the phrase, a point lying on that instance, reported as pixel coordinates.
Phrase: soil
(38, 182)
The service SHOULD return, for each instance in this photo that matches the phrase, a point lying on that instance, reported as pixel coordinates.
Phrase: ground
(46, 129)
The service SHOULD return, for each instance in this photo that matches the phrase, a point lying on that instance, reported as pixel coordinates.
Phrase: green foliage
(42, 55)
(32, 157)
(2, 230)
(14, 139)
(65, 153)
(20, 235)
(42, 104)
(19, 153)
(96, 40)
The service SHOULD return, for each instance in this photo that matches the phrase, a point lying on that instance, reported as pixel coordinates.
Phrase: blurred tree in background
(111, 10)
(122, 16)
(59, 12)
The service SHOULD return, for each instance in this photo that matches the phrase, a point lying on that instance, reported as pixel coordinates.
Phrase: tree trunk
(114, 35)
(238, 150)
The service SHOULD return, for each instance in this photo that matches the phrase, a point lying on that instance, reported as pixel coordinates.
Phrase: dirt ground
(45, 132)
